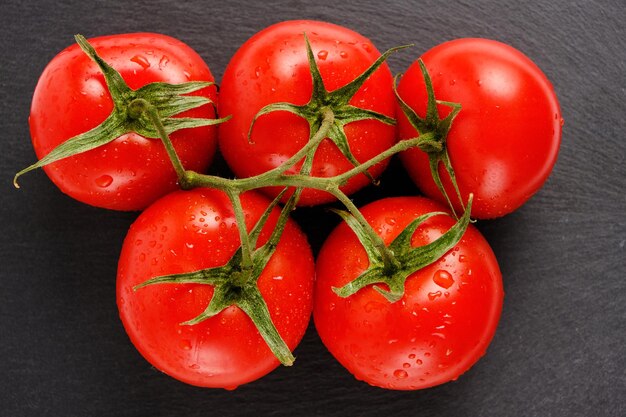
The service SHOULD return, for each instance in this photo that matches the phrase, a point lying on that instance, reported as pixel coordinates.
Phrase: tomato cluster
(215, 283)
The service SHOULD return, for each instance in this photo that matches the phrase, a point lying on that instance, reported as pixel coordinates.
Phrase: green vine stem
(139, 106)
(327, 112)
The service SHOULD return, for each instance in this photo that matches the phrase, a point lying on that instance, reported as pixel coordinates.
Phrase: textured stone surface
(560, 348)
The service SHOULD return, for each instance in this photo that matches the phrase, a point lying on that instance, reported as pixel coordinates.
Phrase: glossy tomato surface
(71, 98)
(272, 67)
(504, 142)
(194, 230)
(436, 331)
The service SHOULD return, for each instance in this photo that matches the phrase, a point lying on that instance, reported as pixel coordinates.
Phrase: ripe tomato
(71, 98)
(191, 231)
(436, 331)
(272, 67)
(504, 142)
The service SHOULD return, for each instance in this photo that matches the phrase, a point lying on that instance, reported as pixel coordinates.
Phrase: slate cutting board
(560, 347)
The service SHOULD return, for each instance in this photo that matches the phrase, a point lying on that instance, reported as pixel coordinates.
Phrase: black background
(560, 346)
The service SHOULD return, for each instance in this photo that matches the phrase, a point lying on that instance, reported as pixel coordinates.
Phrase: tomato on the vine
(191, 231)
(272, 67)
(439, 328)
(72, 98)
(504, 142)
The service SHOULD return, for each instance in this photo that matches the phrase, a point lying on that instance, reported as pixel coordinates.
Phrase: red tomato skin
(193, 230)
(441, 326)
(71, 98)
(504, 142)
(272, 67)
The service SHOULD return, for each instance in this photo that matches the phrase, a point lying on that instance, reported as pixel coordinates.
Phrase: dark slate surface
(560, 347)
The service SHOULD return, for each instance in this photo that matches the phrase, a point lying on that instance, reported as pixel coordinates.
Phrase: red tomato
(436, 331)
(71, 98)
(194, 230)
(272, 67)
(504, 142)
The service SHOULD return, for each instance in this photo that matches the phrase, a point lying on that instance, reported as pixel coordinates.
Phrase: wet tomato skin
(194, 230)
(71, 98)
(441, 326)
(504, 142)
(272, 67)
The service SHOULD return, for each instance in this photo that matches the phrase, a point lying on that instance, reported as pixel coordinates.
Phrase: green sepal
(234, 286)
(434, 132)
(112, 127)
(373, 254)
(410, 259)
(167, 99)
(337, 101)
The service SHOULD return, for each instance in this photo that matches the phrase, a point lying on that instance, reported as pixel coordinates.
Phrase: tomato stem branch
(140, 106)
(246, 250)
(389, 260)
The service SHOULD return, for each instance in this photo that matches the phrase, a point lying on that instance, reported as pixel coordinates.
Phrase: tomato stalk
(136, 109)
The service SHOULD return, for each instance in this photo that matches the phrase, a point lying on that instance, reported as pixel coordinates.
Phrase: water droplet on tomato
(462, 258)
(194, 366)
(443, 279)
(163, 62)
(419, 362)
(343, 54)
(185, 345)
(372, 306)
(433, 295)
(104, 181)
(406, 365)
(367, 47)
(412, 356)
(562, 122)
(187, 74)
(142, 257)
(257, 72)
(141, 60)
(452, 82)
(448, 352)
(390, 221)
(400, 373)
(322, 55)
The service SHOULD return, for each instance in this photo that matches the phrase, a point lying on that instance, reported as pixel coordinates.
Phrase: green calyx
(167, 100)
(336, 101)
(235, 284)
(433, 133)
(409, 259)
